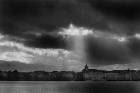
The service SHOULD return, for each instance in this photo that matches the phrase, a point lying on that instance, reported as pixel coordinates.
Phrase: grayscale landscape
(69, 46)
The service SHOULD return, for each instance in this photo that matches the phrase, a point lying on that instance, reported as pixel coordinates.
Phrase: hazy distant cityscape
(85, 75)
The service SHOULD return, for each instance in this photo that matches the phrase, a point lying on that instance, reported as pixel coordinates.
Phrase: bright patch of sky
(73, 30)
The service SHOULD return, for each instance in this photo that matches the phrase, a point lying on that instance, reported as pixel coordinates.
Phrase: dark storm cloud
(128, 10)
(52, 14)
(134, 45)
(48, 14)
(47, 41)
(20, 18)
(123, 16)
(101, 51)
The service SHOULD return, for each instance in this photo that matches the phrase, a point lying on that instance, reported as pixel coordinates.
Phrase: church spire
(86, 68)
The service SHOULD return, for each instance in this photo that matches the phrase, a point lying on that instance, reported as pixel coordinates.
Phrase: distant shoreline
(84, 75)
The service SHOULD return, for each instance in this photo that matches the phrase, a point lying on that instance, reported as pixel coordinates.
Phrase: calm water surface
(69, 87)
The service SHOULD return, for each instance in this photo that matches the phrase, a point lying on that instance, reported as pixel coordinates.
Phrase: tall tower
(86, 68)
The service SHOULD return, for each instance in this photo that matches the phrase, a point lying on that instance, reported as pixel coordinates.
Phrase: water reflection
(69, 87)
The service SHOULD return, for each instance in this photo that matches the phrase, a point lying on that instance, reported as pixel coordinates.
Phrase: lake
(69, 87)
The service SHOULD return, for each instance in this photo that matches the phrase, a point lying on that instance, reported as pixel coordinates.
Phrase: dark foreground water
(69, 87)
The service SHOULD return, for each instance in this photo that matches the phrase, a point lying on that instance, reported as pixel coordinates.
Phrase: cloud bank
(39, 28)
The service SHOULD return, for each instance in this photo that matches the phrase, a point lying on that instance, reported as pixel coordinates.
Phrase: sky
(67, 34)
